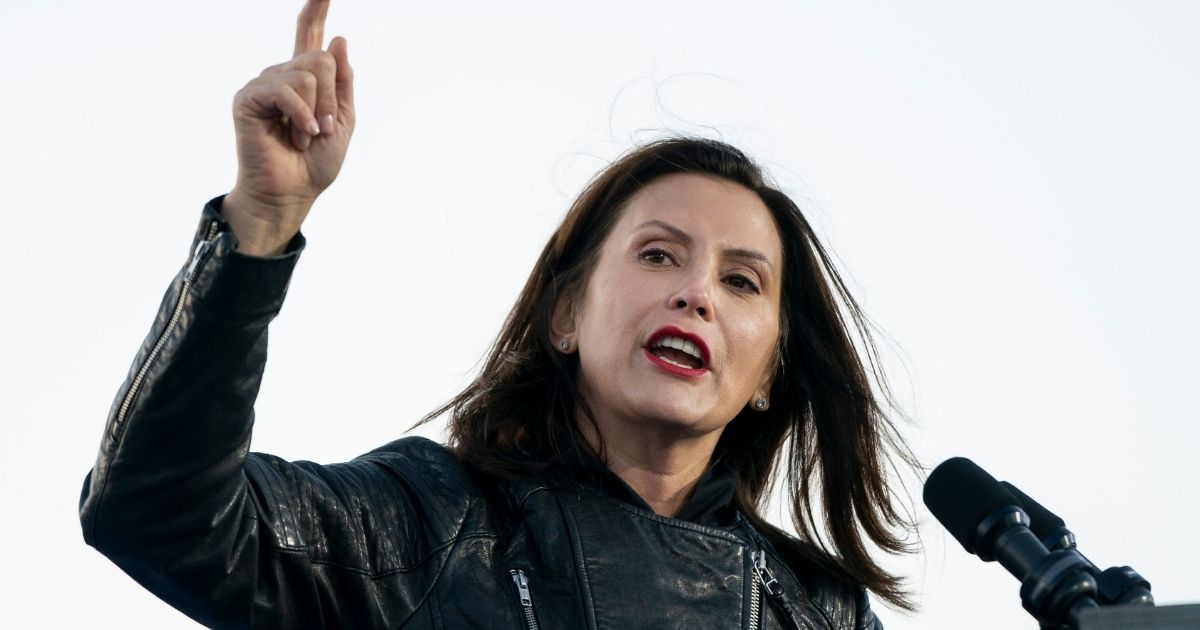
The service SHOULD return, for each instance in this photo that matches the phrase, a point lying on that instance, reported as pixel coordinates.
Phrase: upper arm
(357, 544)
(234, 539)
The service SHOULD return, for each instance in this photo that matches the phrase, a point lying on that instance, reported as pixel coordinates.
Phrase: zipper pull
(200, 252)
(518, 576)
(201, 249)
(763, 574)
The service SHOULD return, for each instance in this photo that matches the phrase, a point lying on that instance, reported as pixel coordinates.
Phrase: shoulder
(389, 510)
(413, 488)
(845, 605)
(829, 590)
(414, 448)
(459, 499)
(424, 467)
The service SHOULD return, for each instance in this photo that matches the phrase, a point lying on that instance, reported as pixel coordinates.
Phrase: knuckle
(245, 94)
(269, 70)
(283, 92)
(326, 61)
(250, 87)
(316, 61)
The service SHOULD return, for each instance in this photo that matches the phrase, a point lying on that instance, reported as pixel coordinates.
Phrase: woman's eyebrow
(671, 229)
(686, 239)
(750, 254)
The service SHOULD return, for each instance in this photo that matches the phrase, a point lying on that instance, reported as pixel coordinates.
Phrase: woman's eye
(741, 282)
(656, 256)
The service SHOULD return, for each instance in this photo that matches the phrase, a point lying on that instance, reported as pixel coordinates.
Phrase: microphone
(1045, 524)
(1115, 585)
(988, 521)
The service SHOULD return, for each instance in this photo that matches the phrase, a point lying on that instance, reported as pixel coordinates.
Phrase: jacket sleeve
(231, 538)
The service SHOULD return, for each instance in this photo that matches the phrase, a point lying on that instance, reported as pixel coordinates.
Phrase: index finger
(310, 26)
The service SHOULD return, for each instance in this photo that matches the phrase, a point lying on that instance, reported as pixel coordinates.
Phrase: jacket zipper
(200, 253)
(761, 581)
(522, 582)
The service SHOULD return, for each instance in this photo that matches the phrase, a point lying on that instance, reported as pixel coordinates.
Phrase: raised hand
(293, 125)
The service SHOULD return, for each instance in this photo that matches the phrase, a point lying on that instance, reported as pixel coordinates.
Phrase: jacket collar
(711, 502)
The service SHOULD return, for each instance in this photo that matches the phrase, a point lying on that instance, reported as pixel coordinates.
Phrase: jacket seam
(441, 569)
(585, 585)
(663, 520)
(390, 572)
(525, 497)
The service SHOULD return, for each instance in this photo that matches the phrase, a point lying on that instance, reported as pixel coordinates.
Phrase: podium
(1182, 617)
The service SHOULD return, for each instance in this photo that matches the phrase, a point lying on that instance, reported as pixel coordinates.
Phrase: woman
(606, 467)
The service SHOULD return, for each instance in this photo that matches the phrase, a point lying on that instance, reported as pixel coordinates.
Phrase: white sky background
(1011, 186)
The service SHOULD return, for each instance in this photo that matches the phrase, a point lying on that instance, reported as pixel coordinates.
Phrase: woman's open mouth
(678, 352)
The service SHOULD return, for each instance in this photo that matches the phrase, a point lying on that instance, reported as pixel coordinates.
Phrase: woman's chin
(682, 418)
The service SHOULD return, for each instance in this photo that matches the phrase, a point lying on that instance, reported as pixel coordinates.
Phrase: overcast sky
(1010, 186)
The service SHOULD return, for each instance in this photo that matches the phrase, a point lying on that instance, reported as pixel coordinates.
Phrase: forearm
(170, 469)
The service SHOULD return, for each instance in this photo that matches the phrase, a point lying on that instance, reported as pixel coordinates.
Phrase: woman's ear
(562, 324)
(761, 399)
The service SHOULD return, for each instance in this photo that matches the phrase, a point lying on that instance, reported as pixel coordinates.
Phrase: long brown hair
(828, 416)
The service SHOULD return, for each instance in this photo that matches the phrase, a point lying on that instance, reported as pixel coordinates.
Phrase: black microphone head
(961, 495)
(1043, 522)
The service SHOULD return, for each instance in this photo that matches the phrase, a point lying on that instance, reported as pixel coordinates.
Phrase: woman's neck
(663, 470)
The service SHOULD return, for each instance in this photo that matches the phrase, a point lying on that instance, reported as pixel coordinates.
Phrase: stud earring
(760, 403)
(564, 344)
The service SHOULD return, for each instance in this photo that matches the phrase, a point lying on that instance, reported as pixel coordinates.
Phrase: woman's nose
(693, 297)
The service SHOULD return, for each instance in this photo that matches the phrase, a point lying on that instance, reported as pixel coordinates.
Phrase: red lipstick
(673, 368)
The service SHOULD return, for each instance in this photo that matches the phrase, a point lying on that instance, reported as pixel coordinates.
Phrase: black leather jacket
(403, 536)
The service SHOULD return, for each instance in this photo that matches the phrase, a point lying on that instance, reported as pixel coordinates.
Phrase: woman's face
(694, 262)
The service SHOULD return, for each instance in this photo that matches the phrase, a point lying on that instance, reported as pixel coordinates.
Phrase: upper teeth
(679, 344)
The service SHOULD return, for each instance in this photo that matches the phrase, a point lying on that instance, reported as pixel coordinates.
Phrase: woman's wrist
(258, 234)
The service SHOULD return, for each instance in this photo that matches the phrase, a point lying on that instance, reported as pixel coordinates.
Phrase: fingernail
(327, 124)
(313, 129)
